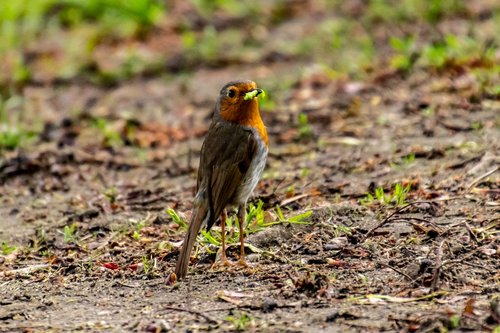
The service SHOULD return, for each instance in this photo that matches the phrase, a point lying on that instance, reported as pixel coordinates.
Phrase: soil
(430, 264)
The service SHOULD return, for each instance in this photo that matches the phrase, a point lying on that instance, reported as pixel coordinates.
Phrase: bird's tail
(200, 212)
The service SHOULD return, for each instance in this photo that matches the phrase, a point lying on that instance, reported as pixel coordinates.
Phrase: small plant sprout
(396, 197)
(137, 226)
(399, 194)
(212, 237)
(304, 172)
(302, 218)
(240, 321)
(39, 240)
(408, 159)
(477, 125)
(69, 233)
(148, 264)
(7, 249)
(177, 219)
(428, 112)
(405, 56)
(10, 138)
(451, 49)
(367, 200)
(111, 194)
(255, 222)
(340, 230)
(403, 162)
(455, 322)
(46, 253)
(257, 213)
(305, 129)
(136, 235)
(381, 197)
(110, 135)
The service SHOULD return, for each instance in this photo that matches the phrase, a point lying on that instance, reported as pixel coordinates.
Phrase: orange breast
(247, 114)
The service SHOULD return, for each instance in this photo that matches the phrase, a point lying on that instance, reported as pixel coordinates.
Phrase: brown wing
(225, 163)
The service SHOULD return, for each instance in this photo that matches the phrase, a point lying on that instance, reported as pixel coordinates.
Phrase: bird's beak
(259, 91)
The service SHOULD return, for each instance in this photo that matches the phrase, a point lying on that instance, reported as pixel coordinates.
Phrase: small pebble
(253, 257)
(268, 305)
(332, 317)
(336, 243)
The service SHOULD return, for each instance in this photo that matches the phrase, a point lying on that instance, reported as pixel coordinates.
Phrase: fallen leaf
(233, 297)
(336, 262)
(110, 265)
(469, 307)
(372, 299)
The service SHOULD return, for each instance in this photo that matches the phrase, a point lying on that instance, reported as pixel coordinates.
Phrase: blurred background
(152, 59)
(371, 104)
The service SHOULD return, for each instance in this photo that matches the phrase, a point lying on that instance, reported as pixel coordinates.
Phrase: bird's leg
(242, 210)
(223, 258)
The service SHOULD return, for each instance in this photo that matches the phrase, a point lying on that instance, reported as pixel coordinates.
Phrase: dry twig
(196, 313)
(413, 281)
(484, 175)
(26, 270)
(389, 217)
(437, 268)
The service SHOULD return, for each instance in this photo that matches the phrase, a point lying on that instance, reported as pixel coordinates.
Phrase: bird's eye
(231, 93)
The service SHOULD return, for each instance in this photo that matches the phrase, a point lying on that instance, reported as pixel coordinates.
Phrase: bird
(232, 159)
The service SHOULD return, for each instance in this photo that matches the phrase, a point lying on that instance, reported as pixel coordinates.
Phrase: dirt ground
(85, 207)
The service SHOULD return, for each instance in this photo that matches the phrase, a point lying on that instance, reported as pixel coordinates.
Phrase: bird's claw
(224, 262)
(242, 263)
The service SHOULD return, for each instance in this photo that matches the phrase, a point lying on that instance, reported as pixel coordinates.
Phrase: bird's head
(238, 104)
(238, 100)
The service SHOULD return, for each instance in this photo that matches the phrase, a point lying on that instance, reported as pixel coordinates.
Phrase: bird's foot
(222, 262)
(243, 263)
(249, 268)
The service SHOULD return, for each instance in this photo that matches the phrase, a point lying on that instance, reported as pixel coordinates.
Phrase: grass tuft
(177, 219)
(240, 320)
(70, 234)
(255, 222)
(396, 197)
(7, 249)
(305, 129)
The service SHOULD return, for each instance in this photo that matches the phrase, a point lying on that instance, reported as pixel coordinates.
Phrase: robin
(233, 157)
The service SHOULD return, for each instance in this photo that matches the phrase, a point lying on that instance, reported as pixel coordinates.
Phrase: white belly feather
(253, 174)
